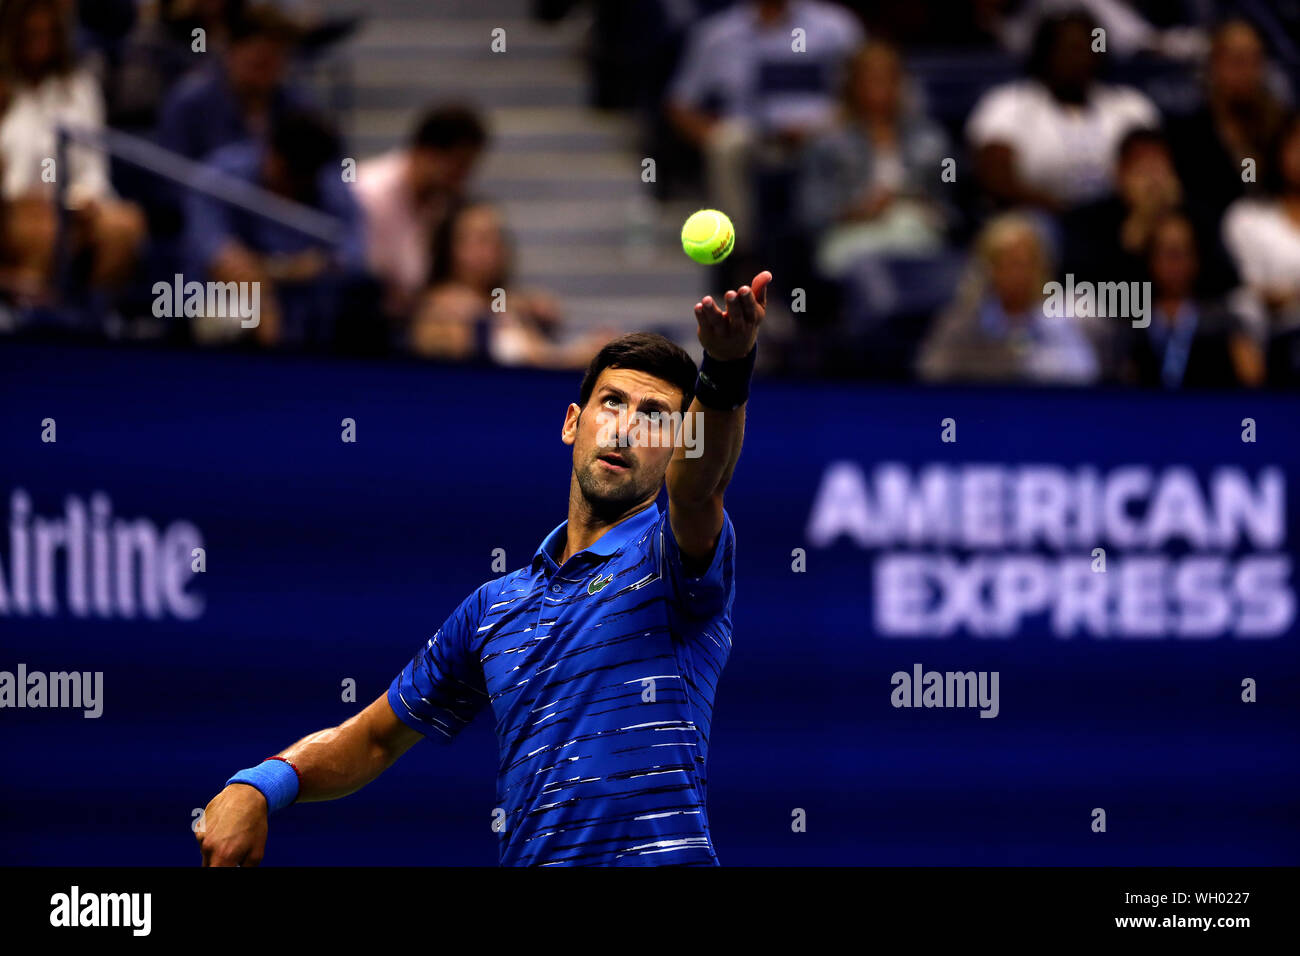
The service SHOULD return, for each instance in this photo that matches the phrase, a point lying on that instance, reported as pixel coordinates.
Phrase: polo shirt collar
(606, 545)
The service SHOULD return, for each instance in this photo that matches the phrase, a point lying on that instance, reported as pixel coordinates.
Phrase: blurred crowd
(392, 256)
(933, 168)
(917, 175)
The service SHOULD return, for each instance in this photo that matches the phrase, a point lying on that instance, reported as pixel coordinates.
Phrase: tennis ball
(708, 236)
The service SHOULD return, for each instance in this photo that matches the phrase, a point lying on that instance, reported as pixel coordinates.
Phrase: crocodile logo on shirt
(598, 583)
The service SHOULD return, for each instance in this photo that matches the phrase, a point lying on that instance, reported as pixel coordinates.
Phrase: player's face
(619, 457)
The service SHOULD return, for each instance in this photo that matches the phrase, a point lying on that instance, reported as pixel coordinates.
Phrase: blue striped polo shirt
(601, 675)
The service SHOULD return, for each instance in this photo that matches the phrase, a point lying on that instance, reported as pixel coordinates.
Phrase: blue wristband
(277, 779)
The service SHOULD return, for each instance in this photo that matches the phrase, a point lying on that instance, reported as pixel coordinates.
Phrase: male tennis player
(600, 658)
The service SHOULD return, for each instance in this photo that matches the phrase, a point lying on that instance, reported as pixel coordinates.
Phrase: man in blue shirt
(304, 280)
(238, 93)
(600, 658)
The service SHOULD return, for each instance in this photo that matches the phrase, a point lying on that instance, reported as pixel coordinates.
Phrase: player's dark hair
(646, 352)
(449, 126)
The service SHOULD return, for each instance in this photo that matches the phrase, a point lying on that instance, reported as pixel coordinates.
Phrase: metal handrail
(198, 177)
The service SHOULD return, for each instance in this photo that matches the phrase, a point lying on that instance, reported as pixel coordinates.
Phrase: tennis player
(600, 658)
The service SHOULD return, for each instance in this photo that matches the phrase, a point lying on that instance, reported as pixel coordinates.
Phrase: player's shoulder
(496, 589)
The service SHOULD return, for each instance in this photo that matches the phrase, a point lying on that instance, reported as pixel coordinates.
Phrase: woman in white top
(473, 312)
(1050, 140)
(41, 88)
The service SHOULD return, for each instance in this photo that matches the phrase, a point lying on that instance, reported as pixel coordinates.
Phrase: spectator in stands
(1131, 28)
(999, 329)
(239, 96)
(1107, 240)
(871, 183)
(1158, 28)
(1263, 237)
(745, 83)
(1238, 121)
(1190, 341)
(472, 311)
(42, 86)
(408, 192)
(1049, 140)
(306, 282)
(160, 50)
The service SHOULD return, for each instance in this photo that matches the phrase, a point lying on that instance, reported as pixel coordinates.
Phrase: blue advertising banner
(983, 627)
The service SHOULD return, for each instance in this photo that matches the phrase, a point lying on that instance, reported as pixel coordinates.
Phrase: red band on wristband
(291, 766)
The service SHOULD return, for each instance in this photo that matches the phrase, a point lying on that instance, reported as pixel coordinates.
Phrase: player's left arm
(696, 485)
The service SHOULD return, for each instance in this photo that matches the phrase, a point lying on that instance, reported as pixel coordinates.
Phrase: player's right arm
(331, 763)
(435, 695)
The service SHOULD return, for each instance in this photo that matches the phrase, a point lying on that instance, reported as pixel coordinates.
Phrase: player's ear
(569, 434)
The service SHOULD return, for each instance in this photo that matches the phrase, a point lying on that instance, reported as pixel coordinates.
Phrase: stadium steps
(566, 175)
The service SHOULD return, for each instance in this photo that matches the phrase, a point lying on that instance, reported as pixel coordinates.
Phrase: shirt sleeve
(209, 223)
(998, 117)
(338, 200)
(89, 173)
(1139, 111)
(175, 126)
(848, 31)
(697, 73)
(441, 689)
(1240, 238)
(707, 594)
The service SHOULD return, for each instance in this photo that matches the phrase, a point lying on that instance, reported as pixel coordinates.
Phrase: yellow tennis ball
(708, 236)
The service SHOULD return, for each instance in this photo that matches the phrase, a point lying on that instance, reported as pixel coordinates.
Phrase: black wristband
(725, 385)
